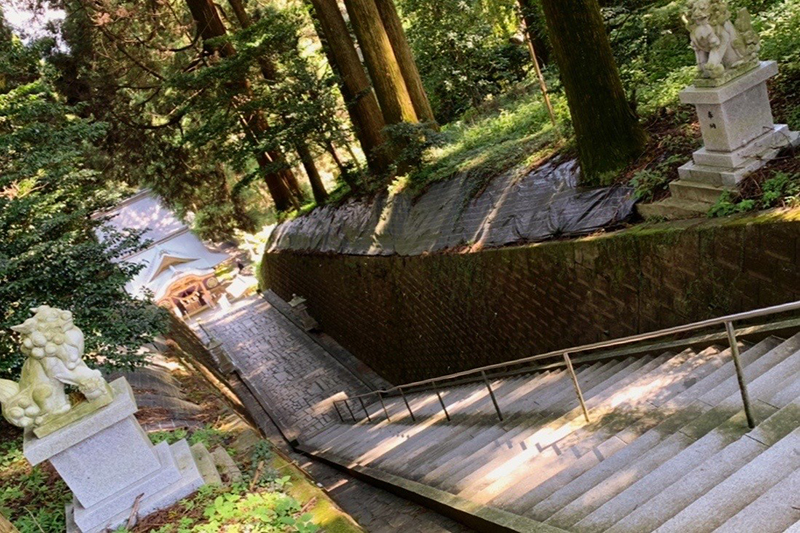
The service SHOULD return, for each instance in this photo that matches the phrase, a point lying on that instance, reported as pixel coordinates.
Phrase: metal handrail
(566, 353)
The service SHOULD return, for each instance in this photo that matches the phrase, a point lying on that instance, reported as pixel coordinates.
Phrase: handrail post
(383, 404)
(364, 407)
(751, 420)
(346, 404)
(406, 402)
(441, 401)
(338, 412)
(577, 385)
(491, 393)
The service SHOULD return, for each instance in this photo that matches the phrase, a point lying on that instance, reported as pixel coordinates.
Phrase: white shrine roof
(175, 251)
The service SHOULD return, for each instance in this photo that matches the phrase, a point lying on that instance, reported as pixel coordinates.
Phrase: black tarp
(540, 205)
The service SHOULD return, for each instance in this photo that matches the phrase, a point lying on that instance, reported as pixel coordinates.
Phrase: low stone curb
(479, 517)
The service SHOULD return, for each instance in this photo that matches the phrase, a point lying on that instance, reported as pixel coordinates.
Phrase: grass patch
(32, 498)
(512, 131)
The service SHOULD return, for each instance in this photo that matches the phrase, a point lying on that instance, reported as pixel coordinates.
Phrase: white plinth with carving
(109, 464)
(738, 130)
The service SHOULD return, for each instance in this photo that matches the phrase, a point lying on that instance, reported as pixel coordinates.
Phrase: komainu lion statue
(718, 43)
(54, 349)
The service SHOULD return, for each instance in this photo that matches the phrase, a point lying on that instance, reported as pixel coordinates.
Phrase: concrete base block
(747, 160)
(179, 478)
(763, 147)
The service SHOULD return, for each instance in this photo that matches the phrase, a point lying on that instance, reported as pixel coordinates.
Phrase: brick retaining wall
(422, 316)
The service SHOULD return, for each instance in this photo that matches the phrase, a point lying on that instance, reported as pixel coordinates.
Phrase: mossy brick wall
(422, 316)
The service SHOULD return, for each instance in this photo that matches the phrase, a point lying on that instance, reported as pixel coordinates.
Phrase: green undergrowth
(778, 189)
(511, 131)
(273, 496)
(651, 44)
(259, 502)
(32, 498)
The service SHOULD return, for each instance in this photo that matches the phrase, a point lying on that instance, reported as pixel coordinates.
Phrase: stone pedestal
(739, 133)
(109, 463)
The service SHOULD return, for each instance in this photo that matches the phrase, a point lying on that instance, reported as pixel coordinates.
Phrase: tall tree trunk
(384, 70)
(359, 99)
(405, 59)
(270, 73)
(317, 187)
(607, 131)
(282, 184)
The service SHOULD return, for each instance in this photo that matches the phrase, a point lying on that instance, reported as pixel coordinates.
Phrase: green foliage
(31, 497)
(651, 45)
(49, 252)
(208, 435)
(297, 102)
(502, 134)
(780, 189)
(170, 437)
(411, 142)
(728, 204)
(648, 183)
(463, 51)
(266, 511)
(778, 28)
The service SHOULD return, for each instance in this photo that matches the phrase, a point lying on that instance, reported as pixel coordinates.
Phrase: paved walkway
(296, 379)
(292, 375)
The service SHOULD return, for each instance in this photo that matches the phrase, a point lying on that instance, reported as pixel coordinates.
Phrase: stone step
(458, 474)
(618, 426)
(533, 497)
(383, 437)
(715, 176)
(666, 434)
(226, 466)
(688, 422)
(775, 511)
(692, 484)
(696, 191)
(437, 467)
(495, 481)
(424, 431)
(205, 463)
(739, 490)
(703, 436)
(584, 437)
(673, 209)
(471, 432)
(409, 459)
(364, 434)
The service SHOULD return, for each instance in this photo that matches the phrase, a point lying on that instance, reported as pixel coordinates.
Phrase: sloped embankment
(536, 206)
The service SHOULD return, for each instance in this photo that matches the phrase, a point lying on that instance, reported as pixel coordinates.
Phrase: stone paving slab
(294, 377)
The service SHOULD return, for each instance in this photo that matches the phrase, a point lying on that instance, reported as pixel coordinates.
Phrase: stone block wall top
(38, 450)
(723, 93)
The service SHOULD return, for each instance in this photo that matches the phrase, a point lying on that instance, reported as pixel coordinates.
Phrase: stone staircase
(667, 447)
(690, 199)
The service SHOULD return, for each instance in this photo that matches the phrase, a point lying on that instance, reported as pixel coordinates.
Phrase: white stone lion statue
(54, 350)
(718, 43)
